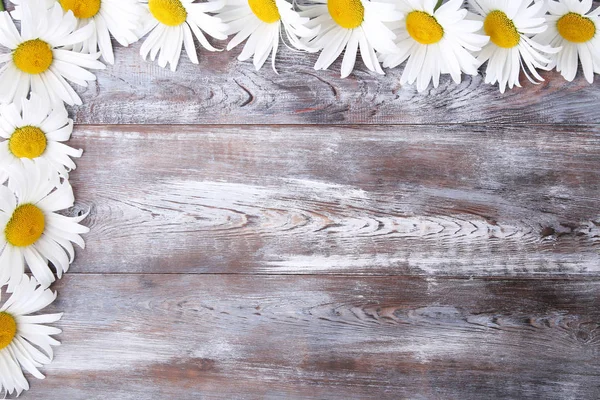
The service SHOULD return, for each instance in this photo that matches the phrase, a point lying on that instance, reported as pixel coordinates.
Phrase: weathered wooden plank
(449, 200)
(248, 337)
(222, 90)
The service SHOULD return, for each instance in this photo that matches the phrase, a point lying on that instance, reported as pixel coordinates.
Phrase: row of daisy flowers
(34, 178)
(428, 38)
(59, 42)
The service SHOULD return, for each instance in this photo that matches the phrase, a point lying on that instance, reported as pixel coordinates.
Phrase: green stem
(439, 3)
(2, 6)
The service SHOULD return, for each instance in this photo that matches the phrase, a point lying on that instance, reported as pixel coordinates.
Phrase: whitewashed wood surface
(451, 200)
(299, 236)
(157, 336)
(222, 90)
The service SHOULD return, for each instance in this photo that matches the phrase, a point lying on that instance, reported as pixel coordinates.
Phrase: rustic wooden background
(264, 236)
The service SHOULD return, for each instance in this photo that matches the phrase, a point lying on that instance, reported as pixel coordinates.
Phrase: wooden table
(299, 236)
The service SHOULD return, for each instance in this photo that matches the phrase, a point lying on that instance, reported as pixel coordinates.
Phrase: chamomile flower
(119, 18)
(171, 23)
(38, 60)
(25, 341)
(351, 25)
(36, 132)
(33, 232)
(435, 42)
(574, 27)
(510, 26)
(116, 18)
(262, 22)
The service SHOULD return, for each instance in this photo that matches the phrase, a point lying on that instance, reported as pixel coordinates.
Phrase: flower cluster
(49, 50)
(60, 42)
(426, 37)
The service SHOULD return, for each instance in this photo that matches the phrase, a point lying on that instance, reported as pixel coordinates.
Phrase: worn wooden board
(222, 90)
(449, 200)
(249, 337)
(300, 236)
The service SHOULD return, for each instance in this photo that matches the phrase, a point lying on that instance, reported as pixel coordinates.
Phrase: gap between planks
(488, 278)
(340, 126)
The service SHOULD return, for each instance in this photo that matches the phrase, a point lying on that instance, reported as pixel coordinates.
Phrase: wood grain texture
(247, 337)
(222, 90)
(268, 238)
(418, 200)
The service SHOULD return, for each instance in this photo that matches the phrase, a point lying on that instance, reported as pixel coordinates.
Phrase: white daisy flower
(37, 59)
(119, 18)
(350, 25)
(435, 42)
(36, 133)
(262, 22)
(510, 25)
(573, 27)
(171, 23)
(33, 232)
(25, 341)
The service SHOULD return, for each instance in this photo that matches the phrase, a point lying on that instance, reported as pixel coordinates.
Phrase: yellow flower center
(8, 329)
(81, 8)
(265, 10)
(168, 12)
(25, 226)
(27, 142)
(501, 30)
(348, 14)
(423, 27)
(33, 56)
(576, 28)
